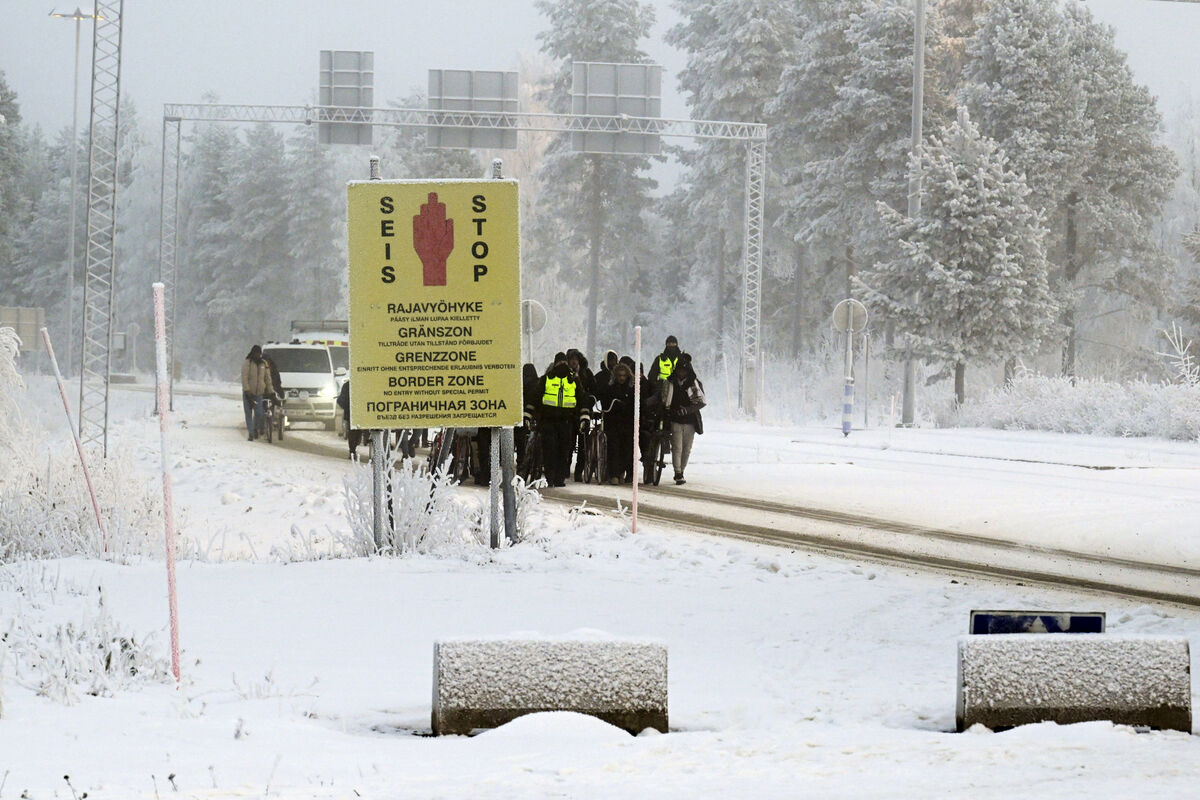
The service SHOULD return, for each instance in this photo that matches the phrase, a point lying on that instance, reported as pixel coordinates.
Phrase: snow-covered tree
(206, 243)
(970, 284)
(316, 214)
(737, 52)
(1108, 249)
(591, 228)
(1086, 142)
(845, 108)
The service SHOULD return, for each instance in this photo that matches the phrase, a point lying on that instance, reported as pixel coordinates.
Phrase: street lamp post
(79, 17)
(908, 404)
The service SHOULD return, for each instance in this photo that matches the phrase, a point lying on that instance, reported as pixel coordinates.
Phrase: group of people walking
(563, 401)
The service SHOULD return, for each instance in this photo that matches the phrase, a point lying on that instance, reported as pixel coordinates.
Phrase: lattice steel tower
(101, 223)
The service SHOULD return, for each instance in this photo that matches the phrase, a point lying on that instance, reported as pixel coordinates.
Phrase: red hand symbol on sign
(433, 239)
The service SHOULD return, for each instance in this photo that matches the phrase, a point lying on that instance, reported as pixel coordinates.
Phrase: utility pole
(78, 17)
(908, 410)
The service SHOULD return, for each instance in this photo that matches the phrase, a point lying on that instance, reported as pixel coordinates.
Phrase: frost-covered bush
(45, 508)
(64, 660)
(427, 514)
(1104, 408)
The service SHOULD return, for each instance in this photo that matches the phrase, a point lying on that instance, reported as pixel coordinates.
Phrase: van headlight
(327, 391)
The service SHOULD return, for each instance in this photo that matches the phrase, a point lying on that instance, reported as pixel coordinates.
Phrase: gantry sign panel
(435, 304)
(347, 82)
(616, 90)
(476, 91)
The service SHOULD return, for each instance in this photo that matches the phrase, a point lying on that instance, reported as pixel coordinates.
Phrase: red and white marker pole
(160, 359)
(637, 416)
(87, 476)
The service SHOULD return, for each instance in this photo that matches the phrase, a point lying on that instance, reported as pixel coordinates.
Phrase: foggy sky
(248, 51)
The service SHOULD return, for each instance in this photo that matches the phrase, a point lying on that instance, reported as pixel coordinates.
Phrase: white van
(310, 384)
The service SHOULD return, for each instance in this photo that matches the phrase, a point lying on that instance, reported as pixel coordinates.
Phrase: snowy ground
(791, 674)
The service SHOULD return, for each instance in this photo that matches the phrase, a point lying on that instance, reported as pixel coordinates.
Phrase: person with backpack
(683, 398)
(256, 382)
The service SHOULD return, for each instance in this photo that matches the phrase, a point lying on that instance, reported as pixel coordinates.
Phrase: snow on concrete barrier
(1014, 679)
(484, 683)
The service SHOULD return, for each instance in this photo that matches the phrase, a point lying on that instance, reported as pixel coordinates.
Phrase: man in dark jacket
(561, 407)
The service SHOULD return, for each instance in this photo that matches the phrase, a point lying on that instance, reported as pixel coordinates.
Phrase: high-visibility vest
(560, 393)
(665, 367)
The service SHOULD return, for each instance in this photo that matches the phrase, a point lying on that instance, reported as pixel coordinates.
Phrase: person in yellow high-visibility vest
(662, 366)
(560, 406)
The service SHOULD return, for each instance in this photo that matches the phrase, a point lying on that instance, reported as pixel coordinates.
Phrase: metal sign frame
(347, 80)
(607, 89)
(754, 134)
(481, 91)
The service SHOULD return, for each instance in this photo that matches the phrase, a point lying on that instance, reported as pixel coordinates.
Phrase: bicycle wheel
(460, 465)
(657, 465)
(270, 426)
(589, 458)
(529, 468)
(280, 420)
(602, 475)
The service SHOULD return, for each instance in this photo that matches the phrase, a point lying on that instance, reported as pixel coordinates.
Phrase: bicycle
(531, 466)
(462, 462)
(657, 444)
(266, 422)
(440, 449)
(596, 463)
(276, 418)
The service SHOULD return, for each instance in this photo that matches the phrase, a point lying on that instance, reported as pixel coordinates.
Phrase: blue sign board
(984, 622)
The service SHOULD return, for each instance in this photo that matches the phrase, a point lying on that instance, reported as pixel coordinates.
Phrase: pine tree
(845, 110)
(316, 213)
(206, 244)
(11, 156)
(737, 52)
(591, 228)
(974, 259)
(1109, 219)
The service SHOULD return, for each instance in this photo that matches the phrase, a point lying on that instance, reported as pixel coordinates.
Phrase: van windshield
(299, 359)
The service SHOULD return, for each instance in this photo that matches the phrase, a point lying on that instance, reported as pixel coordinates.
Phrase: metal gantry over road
(753, 134)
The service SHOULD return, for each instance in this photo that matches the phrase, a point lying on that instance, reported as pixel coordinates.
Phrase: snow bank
(1013, 679)
(484, 683)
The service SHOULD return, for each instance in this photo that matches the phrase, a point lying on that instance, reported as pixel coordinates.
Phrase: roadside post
(87, 475)
(508, 463)
(163, 390)
(849, 317)
(435, 296)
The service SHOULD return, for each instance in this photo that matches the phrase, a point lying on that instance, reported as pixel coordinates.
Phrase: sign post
(850, 317)
(435, 304)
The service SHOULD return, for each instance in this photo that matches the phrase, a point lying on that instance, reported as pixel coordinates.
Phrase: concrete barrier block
(484, 683)
(1014, 679)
